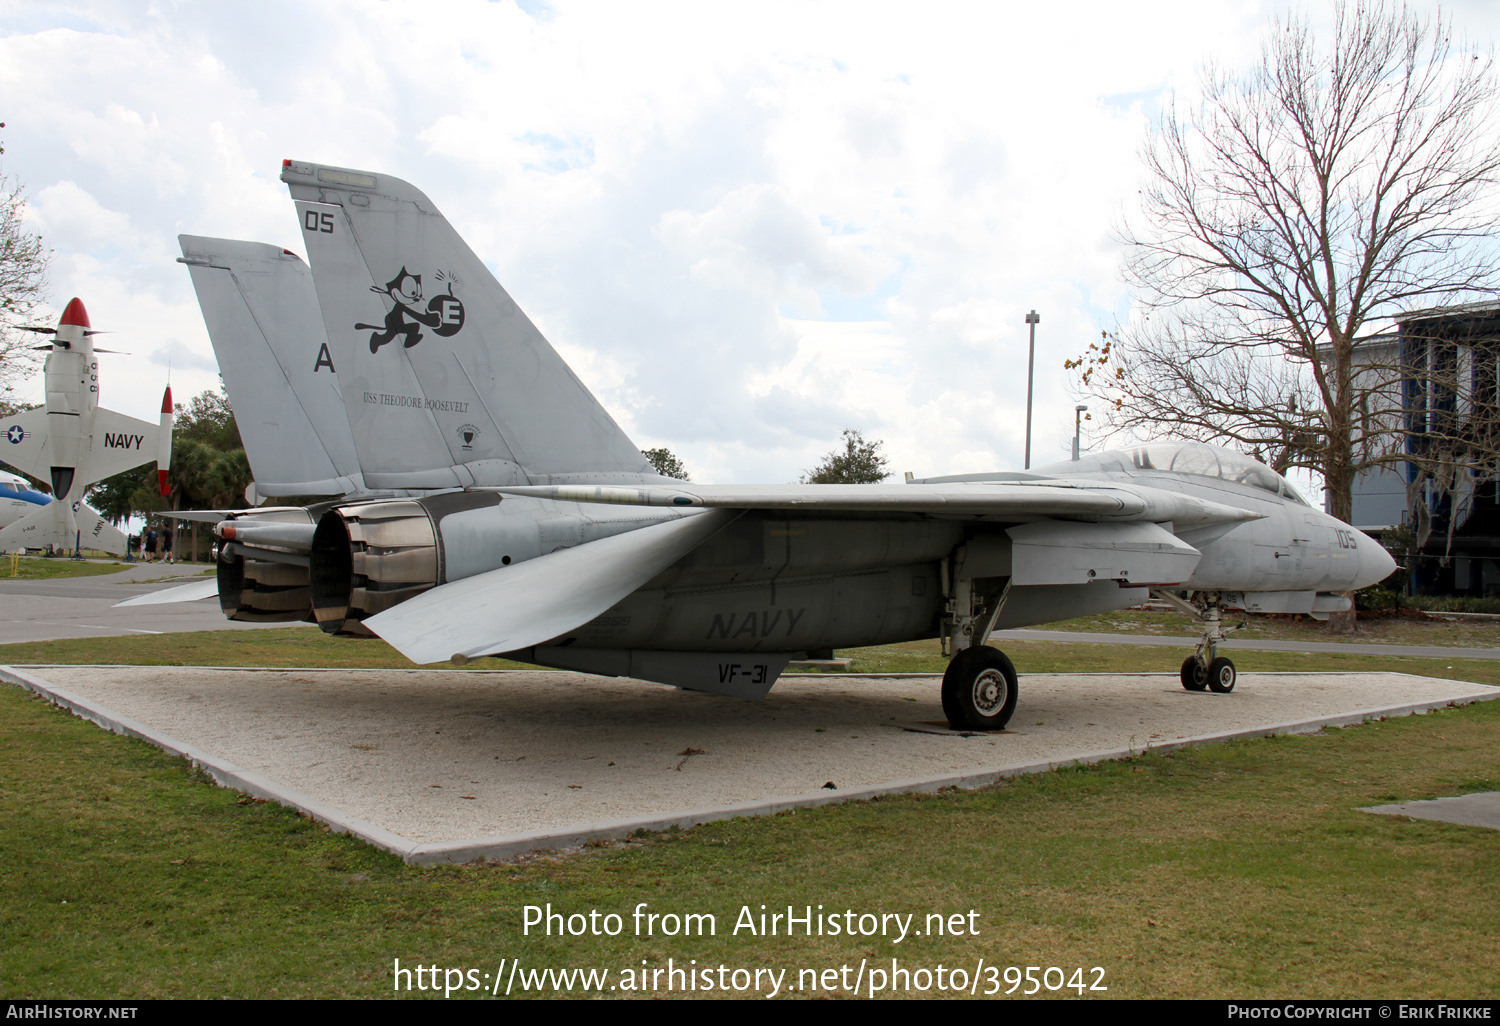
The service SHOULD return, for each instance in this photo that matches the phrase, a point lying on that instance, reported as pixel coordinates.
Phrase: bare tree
(23, 282)
(1288, 213)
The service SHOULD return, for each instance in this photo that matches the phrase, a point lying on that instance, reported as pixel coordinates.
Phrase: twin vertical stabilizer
(445, 381)
(267, 332)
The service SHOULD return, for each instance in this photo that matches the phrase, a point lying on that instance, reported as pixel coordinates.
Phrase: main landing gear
(979, 686)
(979, 689)
(1205, 668)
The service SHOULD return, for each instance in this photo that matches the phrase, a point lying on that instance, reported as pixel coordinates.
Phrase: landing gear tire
(1194, 677)
(1221, 676)
(979, 690)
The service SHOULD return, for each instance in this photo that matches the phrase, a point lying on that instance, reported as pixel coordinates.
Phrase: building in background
(1433, 385)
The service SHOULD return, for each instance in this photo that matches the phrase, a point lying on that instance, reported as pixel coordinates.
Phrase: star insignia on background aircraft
(482, 502)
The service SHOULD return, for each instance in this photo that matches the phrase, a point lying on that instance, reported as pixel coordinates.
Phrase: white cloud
(688, 198)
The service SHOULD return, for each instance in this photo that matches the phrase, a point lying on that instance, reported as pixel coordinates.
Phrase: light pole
(1033, 320)
(1077, 428)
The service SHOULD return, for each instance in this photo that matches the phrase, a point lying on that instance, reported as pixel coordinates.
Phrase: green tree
(858, 462)
(666, 464)
(115, 498)
(209, 418)
(23, 283)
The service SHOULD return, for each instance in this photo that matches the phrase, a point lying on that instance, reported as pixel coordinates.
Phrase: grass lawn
(303, 645)
(1240, 869)
(1431, 631)
(307, 646)
(39, 568)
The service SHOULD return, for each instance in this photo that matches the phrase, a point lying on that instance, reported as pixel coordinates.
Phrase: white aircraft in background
(534, 528)
(18, 498)
(73, 442)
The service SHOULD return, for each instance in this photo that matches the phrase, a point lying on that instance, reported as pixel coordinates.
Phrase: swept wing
(23, 443)
(121, 443)
(1072, 500)
(518, 606)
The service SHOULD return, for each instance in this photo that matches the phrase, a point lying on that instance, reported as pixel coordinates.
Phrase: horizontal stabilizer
(182, 593)
(1068, 499)
(526, 604)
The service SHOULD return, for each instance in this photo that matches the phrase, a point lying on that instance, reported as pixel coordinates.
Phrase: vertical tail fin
(267, 332)
(445, 380)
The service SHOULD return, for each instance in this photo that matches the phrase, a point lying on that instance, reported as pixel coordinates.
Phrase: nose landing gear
(1218, 675)
(1205, 668)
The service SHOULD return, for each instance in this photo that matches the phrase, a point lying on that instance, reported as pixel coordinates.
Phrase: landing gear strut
(979, 686)
(1205, 668)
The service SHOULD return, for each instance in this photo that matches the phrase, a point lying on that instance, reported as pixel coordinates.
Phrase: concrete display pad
(1481, 810)
(441, 765)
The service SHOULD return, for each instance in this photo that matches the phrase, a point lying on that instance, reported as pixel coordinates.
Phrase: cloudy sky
(747, 226)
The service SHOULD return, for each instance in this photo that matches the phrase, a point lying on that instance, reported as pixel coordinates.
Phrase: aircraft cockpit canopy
(1192, 458)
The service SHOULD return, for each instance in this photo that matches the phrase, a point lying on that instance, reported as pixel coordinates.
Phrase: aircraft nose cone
(1375, 564)
(75, 314)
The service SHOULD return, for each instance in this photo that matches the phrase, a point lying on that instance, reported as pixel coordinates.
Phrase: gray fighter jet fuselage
(775, 583)
(534, 528)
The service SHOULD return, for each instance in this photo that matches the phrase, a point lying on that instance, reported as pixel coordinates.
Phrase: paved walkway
(84, 607)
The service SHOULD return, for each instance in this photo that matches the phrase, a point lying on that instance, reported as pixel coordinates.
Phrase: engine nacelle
(367, 557)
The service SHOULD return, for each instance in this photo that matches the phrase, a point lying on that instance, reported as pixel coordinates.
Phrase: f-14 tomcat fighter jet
(544, 536)
(73, 442)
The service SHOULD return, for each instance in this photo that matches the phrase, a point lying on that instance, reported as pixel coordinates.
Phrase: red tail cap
(75, 314)
(166, 400)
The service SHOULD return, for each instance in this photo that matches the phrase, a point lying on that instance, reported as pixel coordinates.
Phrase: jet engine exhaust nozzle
(367, 557)
(258, 584)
